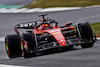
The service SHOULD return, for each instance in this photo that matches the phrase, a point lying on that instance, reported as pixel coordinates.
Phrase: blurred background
(13, 12)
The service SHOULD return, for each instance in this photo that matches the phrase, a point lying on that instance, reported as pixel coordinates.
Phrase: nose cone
(57, 34)
(59, 37)
(62, 42)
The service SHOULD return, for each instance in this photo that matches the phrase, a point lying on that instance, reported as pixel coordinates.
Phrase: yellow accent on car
(62, 42)
(78, 42)
(46, 25)
(42, 34)
(21, 45)
(56, 32)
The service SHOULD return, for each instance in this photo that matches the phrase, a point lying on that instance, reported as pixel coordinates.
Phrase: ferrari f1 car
(45, 34)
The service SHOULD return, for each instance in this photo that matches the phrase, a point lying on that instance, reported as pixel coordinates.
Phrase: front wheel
(84, 31)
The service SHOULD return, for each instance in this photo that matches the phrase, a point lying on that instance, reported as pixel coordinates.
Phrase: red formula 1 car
(46, 34)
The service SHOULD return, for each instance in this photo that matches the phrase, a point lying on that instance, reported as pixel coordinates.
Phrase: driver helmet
(45, 26)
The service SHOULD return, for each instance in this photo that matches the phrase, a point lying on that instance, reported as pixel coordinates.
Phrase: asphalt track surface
(76, 57)
(15, 2)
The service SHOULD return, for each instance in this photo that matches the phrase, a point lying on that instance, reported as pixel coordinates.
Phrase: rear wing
(27, 25)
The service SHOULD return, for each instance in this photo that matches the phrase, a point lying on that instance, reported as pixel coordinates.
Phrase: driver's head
(46, 25)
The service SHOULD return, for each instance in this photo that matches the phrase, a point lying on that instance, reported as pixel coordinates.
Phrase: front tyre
(85, 32)
(87, 45)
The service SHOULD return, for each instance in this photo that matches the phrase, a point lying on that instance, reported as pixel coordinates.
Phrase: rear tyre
(30, 39)
(85, 32)
(13, 46)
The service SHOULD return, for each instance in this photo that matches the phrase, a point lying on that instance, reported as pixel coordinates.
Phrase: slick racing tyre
(13, 46)
(85, 32)
(30, 40)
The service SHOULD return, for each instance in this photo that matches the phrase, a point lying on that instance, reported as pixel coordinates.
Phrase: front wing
(54, 45)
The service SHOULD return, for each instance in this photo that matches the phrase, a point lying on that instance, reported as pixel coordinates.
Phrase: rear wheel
(13, 46)
(30, 40)
(85, 32)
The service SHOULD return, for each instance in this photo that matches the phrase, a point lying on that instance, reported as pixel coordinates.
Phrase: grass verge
(96, 27)
(62, 3)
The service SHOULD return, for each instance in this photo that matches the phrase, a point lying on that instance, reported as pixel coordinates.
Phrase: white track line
(32, 10)
(8, 10)
(2, 39)
(26, 10)
(19, 10)
(2, 65)
(92, 6)
(98, 38)
(85, 18)
(2, 9)
(59, 9)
